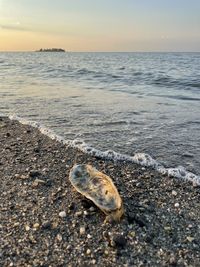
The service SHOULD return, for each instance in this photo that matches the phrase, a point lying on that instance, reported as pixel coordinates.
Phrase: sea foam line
(142, 159)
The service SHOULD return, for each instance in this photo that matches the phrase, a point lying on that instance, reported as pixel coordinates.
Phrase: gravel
(45, 222)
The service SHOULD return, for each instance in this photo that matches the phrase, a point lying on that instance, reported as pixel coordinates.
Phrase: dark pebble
(33, 173)
(46, 225)
(133, 218)
(119, 241)
(49, 183)
(86, 203)
(71, 206)
(36, 150)
(150, 237)
(8, 134)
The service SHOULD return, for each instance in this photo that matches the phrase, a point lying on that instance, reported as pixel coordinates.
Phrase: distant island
(51, 50)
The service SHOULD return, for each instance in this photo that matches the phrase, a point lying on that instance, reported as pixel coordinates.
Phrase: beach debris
(38, 182)
(190, 238)
(99, 188)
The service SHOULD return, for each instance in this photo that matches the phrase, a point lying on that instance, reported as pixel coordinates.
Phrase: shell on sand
(99, 188)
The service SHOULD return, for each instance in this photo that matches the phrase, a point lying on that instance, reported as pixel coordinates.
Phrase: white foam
(139, 158)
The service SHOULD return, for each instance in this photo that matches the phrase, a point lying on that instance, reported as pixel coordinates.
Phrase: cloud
(13, 27)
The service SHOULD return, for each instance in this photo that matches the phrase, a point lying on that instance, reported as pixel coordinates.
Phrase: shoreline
(160, 226)
(142, 159)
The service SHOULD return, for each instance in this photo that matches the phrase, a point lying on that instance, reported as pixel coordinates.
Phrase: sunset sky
(100, 25)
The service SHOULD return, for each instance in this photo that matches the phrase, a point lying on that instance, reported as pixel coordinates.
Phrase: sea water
(144, 106)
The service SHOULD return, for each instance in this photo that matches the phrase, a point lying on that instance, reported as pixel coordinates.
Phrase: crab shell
(99, 188)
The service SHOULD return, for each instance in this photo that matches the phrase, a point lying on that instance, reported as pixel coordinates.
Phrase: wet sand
(45, 222)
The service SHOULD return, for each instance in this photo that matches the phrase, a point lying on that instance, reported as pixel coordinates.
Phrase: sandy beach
(45, 222)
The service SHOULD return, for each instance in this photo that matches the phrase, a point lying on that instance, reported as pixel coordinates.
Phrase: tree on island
(51, 50)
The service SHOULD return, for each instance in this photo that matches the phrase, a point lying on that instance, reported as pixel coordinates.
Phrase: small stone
(92, 209)
(36, 150)
(106, 252)
(174, 193)
(59, 237)
(85, 212)
(86, 203)
(36, 225)
(34, 173)
(27, 228)
(48, 182)
(62, 214)
(105, 235)
(78, 213)
(71, 206)
(46, 225)
(119, 240)
(23, 177)
(167, 228)
(132, 234)
(133, 218)
(88, 251)
(89, 236)
(82, 230)
(176, 205)
(32, 239)
(93, 261)
(54, 225)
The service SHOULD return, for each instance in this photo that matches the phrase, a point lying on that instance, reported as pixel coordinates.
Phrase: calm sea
(126, 102)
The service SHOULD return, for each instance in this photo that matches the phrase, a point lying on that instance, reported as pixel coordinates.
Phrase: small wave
(139, 158)
(85, 71)
(138, 73)
(97, 74)
(168, 81)
(120, 122)
(10, 65)
(195, 85)
(177, 97)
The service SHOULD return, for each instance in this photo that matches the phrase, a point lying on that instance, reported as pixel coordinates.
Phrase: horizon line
(68, 51)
